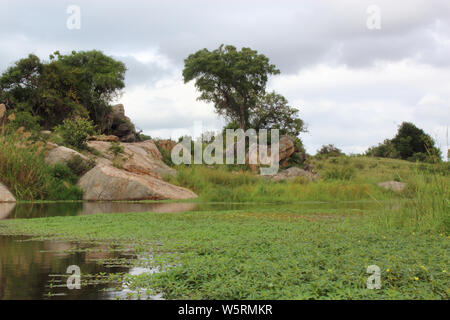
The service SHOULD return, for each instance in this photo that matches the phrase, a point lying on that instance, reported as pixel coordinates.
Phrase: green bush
(63, 172)
(25, 173)
(76, 131)
(116, 148)
(23, 119)
(78, 166)
(62, 190)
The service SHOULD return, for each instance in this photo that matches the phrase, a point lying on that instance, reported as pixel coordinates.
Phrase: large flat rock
(105, 182)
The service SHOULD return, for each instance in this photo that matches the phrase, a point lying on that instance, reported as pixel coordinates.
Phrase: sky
(355, 69)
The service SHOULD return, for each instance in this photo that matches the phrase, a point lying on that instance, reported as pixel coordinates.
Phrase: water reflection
(37, 269)
(39, 210)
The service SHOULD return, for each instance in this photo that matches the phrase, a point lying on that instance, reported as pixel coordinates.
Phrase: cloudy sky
(352, 84)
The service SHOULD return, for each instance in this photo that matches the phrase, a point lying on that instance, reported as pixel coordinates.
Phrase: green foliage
(166, 154)
(144, 137)
(230, 79)
(329, 151)
(79, 84)
(76, 131)
(273, 112)
(116, 148)
(410, 143)
(384, 150)
(62, 190)
(340, 173)
(25, 173)
(272, 253)
(23, 119)
(63, 172)
(78, 166)
(221, 185)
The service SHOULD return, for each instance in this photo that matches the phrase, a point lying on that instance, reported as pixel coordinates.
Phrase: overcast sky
(352, 84)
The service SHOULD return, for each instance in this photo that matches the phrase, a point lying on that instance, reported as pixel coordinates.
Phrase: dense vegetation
(24, 171)
(80, 84)
(410, 143)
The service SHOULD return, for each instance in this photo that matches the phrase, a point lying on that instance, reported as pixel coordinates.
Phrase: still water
(36, 269)
(40, 210)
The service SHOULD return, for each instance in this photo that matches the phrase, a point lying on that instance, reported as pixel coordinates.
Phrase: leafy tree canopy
(330, 150)
(78, 84)
(410, 143)
(232, 80)
(272, 111)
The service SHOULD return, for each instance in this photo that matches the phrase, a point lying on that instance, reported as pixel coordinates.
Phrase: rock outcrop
(5, 194)
(120, 125)
(292, 173)
(166, 144)
(60, 154)
(286, 150)
(138, 157)
(393, 185)
(105, 182)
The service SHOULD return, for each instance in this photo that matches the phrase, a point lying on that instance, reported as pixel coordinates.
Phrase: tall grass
(429, 207)
(22, 166)
(221, 185)
(25, 173)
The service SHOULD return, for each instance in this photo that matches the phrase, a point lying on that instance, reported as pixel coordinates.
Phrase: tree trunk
(242, 119)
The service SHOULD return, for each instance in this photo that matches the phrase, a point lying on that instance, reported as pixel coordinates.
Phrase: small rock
(393, 185)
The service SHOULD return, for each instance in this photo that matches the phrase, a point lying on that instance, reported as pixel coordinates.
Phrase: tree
(410, 143)
(272, 111)
(81, 84)
(232, 80)
(330, 150)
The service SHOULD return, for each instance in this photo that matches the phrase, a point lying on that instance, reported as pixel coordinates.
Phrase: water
(40, 210)
(34, 269)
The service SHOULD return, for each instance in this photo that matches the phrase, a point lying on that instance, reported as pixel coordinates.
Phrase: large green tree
(410, 143)
(231, 79)
(78, 84)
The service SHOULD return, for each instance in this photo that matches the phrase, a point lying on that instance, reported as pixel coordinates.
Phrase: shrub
(23, 119)
(22, 167)
(63, 172)
(116, 148)
(76, 131)
(330, 151)
(78, 166)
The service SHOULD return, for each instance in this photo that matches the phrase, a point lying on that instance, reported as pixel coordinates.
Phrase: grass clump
(340, 173)
(24, 171)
